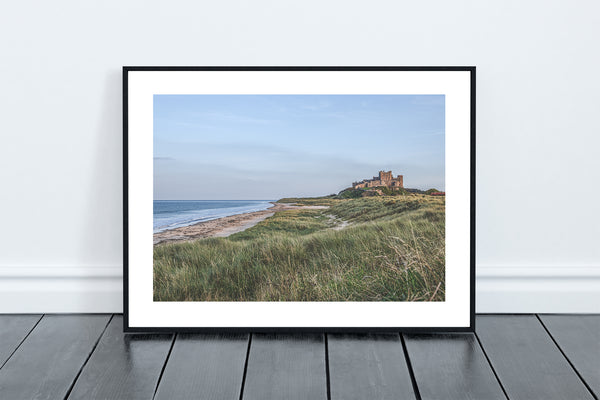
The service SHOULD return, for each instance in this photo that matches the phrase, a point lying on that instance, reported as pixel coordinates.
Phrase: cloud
(321, 105)
(270, 171)
(231, 117)
(428, 133)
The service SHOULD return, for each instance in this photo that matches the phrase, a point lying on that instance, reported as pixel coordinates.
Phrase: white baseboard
(92, 289)
(51, 289)
(563, 289)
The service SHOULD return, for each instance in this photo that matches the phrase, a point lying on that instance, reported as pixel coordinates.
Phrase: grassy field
(389, 249)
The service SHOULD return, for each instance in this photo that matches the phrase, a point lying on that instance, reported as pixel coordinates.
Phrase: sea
(170, 214)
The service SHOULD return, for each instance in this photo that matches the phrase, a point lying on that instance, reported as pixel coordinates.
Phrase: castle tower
(385, 176)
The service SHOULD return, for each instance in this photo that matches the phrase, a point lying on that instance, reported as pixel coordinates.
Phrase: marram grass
(393, 249)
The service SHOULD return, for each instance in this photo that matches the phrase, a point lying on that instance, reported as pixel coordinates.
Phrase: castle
(384, 179)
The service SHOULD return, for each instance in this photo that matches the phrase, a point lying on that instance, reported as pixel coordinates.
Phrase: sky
(266, 147)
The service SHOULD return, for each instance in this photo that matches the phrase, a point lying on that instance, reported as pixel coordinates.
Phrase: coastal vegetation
(381, 248)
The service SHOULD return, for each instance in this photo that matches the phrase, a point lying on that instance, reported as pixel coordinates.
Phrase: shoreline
(223, 227)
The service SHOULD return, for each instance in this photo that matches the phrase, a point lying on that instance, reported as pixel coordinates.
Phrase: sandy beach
(223, 227)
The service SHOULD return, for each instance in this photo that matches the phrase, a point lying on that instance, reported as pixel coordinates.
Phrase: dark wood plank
(451, 366)
(123, 366)
(368, 366)
(205, 367)
(13, 329)
(285, 366)
(526, 360)
(578, 336)
(46, 364)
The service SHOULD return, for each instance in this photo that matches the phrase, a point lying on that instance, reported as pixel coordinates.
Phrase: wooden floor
(510, 356)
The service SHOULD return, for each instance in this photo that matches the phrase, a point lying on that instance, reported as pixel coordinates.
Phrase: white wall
(538, 127)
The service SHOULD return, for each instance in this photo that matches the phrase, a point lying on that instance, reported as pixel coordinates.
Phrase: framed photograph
(299, 198)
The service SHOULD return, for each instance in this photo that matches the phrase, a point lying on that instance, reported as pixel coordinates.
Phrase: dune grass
(392, 250)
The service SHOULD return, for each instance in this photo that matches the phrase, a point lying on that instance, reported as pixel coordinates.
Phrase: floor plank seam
(327, 374)
(21, 342)
(162, 371)
(566, 358)
(491, 366)
(88, 358)
(246, 366)
(411, 372)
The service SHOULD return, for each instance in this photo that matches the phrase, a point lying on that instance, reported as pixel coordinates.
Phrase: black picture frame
(126, 223)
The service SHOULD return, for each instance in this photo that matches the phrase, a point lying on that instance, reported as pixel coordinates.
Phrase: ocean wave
(166, 220)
